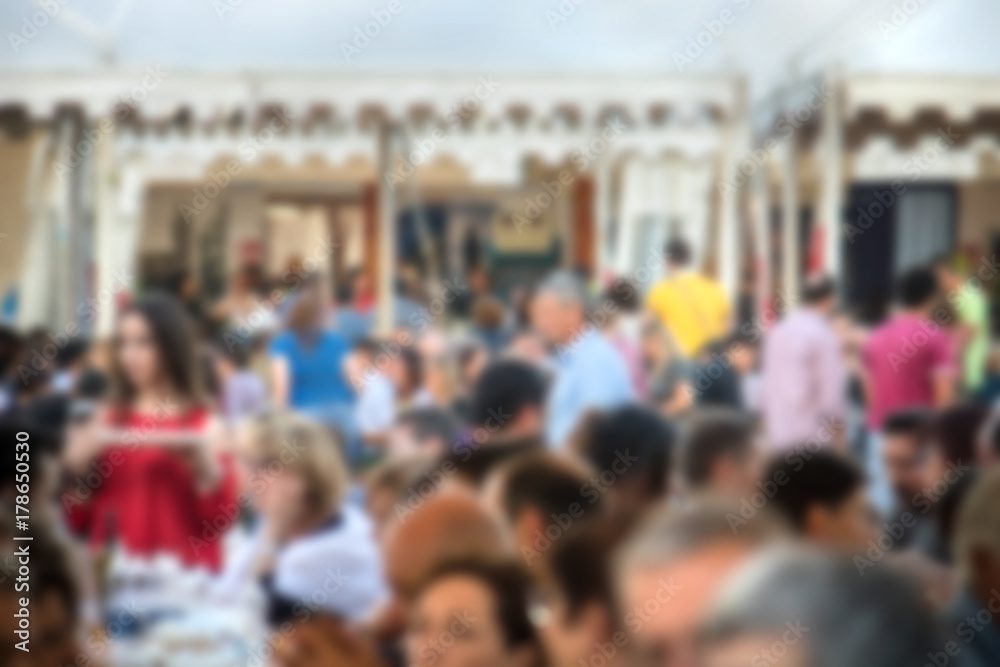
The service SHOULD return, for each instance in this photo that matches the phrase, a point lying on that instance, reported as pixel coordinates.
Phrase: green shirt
(974, 311)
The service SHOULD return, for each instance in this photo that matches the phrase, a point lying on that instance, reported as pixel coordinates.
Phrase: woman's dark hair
(509, 585)
(174, 338)
(581, 566)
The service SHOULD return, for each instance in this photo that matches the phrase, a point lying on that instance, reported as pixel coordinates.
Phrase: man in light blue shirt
(589, 372)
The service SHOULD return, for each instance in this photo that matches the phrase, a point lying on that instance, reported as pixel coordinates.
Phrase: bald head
(559, 306)
(565, 287)
(670, 569)
(447, 526)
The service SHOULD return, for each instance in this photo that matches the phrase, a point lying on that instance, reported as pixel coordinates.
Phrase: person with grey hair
(589, 372)
(807, 608)
(670, 570)
(972, 621)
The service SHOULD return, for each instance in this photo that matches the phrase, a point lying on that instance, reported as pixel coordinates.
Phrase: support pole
(385, 322)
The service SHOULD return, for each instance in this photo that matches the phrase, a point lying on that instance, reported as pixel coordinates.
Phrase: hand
(325, 642)
(207, 471)
(84, 442)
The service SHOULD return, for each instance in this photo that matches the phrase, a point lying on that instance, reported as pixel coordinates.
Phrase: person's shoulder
(874, 339)
(657, 290)
(714, 286)
(250, 379)
(335, 337)
(281, 339)
(599, 343)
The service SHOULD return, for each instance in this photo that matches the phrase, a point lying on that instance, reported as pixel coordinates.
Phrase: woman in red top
(144, 471)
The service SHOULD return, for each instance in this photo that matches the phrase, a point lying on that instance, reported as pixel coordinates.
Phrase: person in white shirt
(311, 552)
(375, 410)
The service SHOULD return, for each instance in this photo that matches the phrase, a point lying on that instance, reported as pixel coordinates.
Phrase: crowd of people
(564, 474)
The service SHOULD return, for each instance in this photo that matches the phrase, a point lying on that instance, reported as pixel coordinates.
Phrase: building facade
(117, 177)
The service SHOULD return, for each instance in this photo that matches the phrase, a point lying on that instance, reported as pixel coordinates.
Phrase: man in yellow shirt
(693, 307)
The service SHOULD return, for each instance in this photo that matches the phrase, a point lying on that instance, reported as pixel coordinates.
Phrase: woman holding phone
(143, 469)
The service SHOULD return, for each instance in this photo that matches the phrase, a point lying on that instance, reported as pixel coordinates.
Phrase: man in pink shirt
(909, 363)
(804, 375)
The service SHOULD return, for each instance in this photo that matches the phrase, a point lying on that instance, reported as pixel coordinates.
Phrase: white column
(119, 221)
(761, 211)
(832, 184)
(64, 202)
(629, 212)
(386, 232)
(790, 221)
(34, 277)
(728, 242)
(602, 215)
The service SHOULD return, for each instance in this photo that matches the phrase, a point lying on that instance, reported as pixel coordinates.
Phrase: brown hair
(306, 313)
(487, 312)
(308, 449)
(510, 587)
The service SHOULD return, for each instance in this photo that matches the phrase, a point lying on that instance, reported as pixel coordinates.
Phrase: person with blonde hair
(308, 542)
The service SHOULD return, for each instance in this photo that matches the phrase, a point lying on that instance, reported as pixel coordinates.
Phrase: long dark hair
(176, 347)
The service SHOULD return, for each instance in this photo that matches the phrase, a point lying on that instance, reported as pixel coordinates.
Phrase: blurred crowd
(565, 473)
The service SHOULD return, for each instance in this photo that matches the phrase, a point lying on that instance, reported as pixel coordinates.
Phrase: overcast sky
(762, 38)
